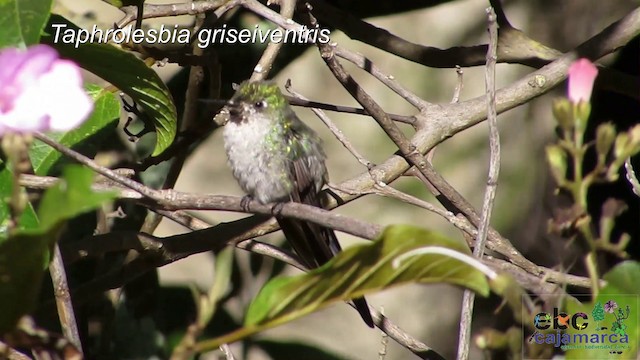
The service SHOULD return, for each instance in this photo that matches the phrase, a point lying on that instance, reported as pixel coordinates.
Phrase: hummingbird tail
(363, 308)
(315, 245)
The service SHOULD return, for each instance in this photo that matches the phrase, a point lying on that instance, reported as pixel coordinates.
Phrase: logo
(604, 328)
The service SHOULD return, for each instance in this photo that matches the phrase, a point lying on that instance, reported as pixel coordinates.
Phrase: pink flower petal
(19, 69)
(40, 92)
(64, 86)
(582, 74)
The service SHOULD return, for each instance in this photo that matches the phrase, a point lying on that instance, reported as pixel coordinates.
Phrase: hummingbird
(277, 158)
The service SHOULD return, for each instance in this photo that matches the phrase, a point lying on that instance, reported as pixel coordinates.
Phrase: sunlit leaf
(355, 272)
(22, 21)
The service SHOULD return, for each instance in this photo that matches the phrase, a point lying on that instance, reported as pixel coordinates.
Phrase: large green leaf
(21, 259)
(129, 74)
(24, 253)
(22, 21)
(623, 288)
(355, 272)
(86, 138)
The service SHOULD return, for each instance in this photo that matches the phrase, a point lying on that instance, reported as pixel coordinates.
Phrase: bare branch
(459, 85)
(468, 298)
(261, 70)
(63, 299)
(367, 65)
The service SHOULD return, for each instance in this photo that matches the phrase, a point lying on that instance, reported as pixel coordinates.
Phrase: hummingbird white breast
(249, 148)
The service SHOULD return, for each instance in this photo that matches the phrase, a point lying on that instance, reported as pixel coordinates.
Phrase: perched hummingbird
(275, 158)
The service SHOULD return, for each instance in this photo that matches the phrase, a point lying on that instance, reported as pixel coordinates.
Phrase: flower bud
(581, 113)
(634, 141)
(620, 146)
(563, 112)
(605, 136)
(557, 158)
(582, 74)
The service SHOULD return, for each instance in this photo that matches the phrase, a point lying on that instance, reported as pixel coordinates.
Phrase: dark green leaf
(24, 253)
(21, 259)
(129, 74)
(355, 272)
(22, 21)
(86, 138)
(28, 219)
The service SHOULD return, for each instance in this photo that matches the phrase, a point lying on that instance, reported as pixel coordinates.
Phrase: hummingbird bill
(276, 158)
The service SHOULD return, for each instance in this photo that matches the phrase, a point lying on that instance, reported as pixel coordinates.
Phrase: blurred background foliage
(159, 306)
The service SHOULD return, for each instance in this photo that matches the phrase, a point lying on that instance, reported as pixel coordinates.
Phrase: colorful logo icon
(605, 328)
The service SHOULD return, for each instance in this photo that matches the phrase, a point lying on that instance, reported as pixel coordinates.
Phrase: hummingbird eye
(261, 104)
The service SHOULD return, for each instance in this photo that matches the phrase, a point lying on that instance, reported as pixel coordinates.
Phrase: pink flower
(582, 74)
(40, 92)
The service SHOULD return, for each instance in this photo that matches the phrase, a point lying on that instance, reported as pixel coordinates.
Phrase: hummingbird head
(258, 99)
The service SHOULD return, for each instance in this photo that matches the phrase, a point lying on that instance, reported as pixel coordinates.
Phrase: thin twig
(461, 223)
(459, 85)
(631, 177)
(63, 299)
(405, 119)
(492, 182)
(157, 10)
(384, 341)
(226, 350)
(263, 67)
(108, 173)
(401, 337)
(334, 129)
(389, 80)
(11, 354)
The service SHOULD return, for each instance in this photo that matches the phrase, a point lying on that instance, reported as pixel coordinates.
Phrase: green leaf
(21, 259)
(86, 138)
(355, 272)
(28, 218)
(23, 254)
(362, 270)
(623, 287)
(624, 278)
(129, 74)
(72, 196)
(22, 21)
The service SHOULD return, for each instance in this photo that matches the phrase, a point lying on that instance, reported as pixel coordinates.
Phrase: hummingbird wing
(314, 244)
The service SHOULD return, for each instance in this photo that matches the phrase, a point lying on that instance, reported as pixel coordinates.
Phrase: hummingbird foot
(276, 210)
(245, 201)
